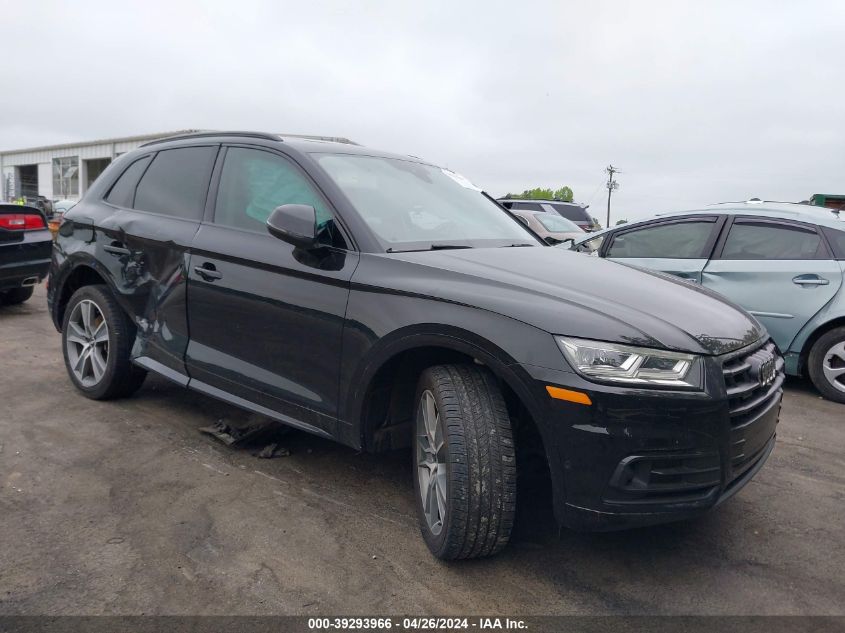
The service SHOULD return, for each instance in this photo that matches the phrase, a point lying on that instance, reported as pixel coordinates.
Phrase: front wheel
(97, 337)
(826, 364)
(464, 462)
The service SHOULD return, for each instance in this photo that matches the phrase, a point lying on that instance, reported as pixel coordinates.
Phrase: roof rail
(206, 134)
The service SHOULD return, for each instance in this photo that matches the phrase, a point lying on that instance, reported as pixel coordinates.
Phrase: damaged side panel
(149, 258)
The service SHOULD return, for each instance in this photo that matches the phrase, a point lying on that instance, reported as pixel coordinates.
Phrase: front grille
(751, 404)
(747, 396)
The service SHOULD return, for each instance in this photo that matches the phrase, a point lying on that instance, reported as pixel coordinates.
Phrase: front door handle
(116, 249)
(208, 272)
(810, 280)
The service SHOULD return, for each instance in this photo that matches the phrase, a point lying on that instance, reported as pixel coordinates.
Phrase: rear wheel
(97, 337)
(16, 295)
(826, 364)
(464, 462)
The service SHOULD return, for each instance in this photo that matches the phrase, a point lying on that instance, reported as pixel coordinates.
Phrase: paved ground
(125, 508)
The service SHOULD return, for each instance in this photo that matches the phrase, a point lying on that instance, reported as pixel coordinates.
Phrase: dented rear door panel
(148, 257)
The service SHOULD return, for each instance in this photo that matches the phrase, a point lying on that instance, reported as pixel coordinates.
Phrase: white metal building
(60, 172)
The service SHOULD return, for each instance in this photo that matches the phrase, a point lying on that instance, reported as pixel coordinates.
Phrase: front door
(781, 272)
(266, 318)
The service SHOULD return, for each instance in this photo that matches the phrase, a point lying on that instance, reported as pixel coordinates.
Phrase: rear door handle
(208, 272)
(810, 280)
(116, 249)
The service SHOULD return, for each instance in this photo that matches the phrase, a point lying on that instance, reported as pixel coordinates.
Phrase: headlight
(611, 362)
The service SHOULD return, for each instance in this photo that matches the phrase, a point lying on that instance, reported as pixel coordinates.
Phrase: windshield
(556, 224)
(412, 206)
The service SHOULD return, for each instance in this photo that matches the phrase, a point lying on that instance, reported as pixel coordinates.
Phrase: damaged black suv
(384, 302)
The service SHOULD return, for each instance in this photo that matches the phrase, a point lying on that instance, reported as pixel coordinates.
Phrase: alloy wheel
(833, 366)
(431, 463)
(87, 341)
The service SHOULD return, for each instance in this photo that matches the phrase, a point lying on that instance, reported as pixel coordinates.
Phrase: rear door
(780, 271)
(158, 203)
(266, 318)
(680, 246)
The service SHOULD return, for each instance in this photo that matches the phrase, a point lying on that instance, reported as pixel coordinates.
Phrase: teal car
(784, 263)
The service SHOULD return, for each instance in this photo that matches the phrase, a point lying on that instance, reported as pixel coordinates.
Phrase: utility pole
(611, 185)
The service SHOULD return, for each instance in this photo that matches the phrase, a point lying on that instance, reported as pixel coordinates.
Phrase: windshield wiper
(435, 246)
(517, 245)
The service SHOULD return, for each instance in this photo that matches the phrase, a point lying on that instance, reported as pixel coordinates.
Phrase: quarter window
(255, 182)
(837, 241)
(122, 192)
(759, 240)
(176, 183)
(679, 240)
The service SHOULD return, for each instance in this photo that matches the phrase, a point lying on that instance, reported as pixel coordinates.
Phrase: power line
(611, 185)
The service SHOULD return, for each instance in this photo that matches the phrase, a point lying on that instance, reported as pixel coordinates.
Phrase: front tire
(826, 364)
(16, 295)
(97, 337)
(464, 462)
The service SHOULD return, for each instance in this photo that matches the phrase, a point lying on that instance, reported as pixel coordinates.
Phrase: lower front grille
(664, 478)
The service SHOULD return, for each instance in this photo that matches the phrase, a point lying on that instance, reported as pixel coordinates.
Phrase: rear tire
(826, 364)
(16, 295)
(468, 510)
(109, 374)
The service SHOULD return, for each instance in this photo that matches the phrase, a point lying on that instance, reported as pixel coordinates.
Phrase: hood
(566, 293)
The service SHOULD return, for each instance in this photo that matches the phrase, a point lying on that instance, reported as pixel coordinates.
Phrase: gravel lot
(125, 508)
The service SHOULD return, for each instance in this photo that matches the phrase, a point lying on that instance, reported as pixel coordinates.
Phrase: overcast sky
(695, 102)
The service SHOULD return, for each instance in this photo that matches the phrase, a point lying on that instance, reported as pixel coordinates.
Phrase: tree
(564, 194)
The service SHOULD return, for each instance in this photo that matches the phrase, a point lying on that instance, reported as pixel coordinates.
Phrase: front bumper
(642, 456)
(24, 258)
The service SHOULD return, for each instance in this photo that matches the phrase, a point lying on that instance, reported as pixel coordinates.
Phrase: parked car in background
(60, 207)
(569, 210)
(553, 228)
(25, 247)
(782, 262)
(385, 302)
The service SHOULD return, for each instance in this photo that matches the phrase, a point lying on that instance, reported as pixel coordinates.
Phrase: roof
(781, 210)
(105, 141)
(549, 201)
(161, 136)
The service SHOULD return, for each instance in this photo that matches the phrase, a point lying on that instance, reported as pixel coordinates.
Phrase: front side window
(414, 206)
(759, 240)
(66, 176)
(679, 240)
(176, 183)
(254, 182)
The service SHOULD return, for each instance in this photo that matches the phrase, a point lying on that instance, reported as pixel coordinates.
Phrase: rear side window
(176, 183)
(679, 240)
(122, 192)
(569, 211)
(527, 206)
(759, 240)
(837, 241)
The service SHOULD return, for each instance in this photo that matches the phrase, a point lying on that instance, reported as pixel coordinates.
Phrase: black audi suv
(385, 302)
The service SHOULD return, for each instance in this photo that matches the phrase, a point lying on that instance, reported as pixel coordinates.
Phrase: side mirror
(295, 224)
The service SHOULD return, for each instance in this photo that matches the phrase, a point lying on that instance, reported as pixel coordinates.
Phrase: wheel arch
(82, 272)
(816, 334)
